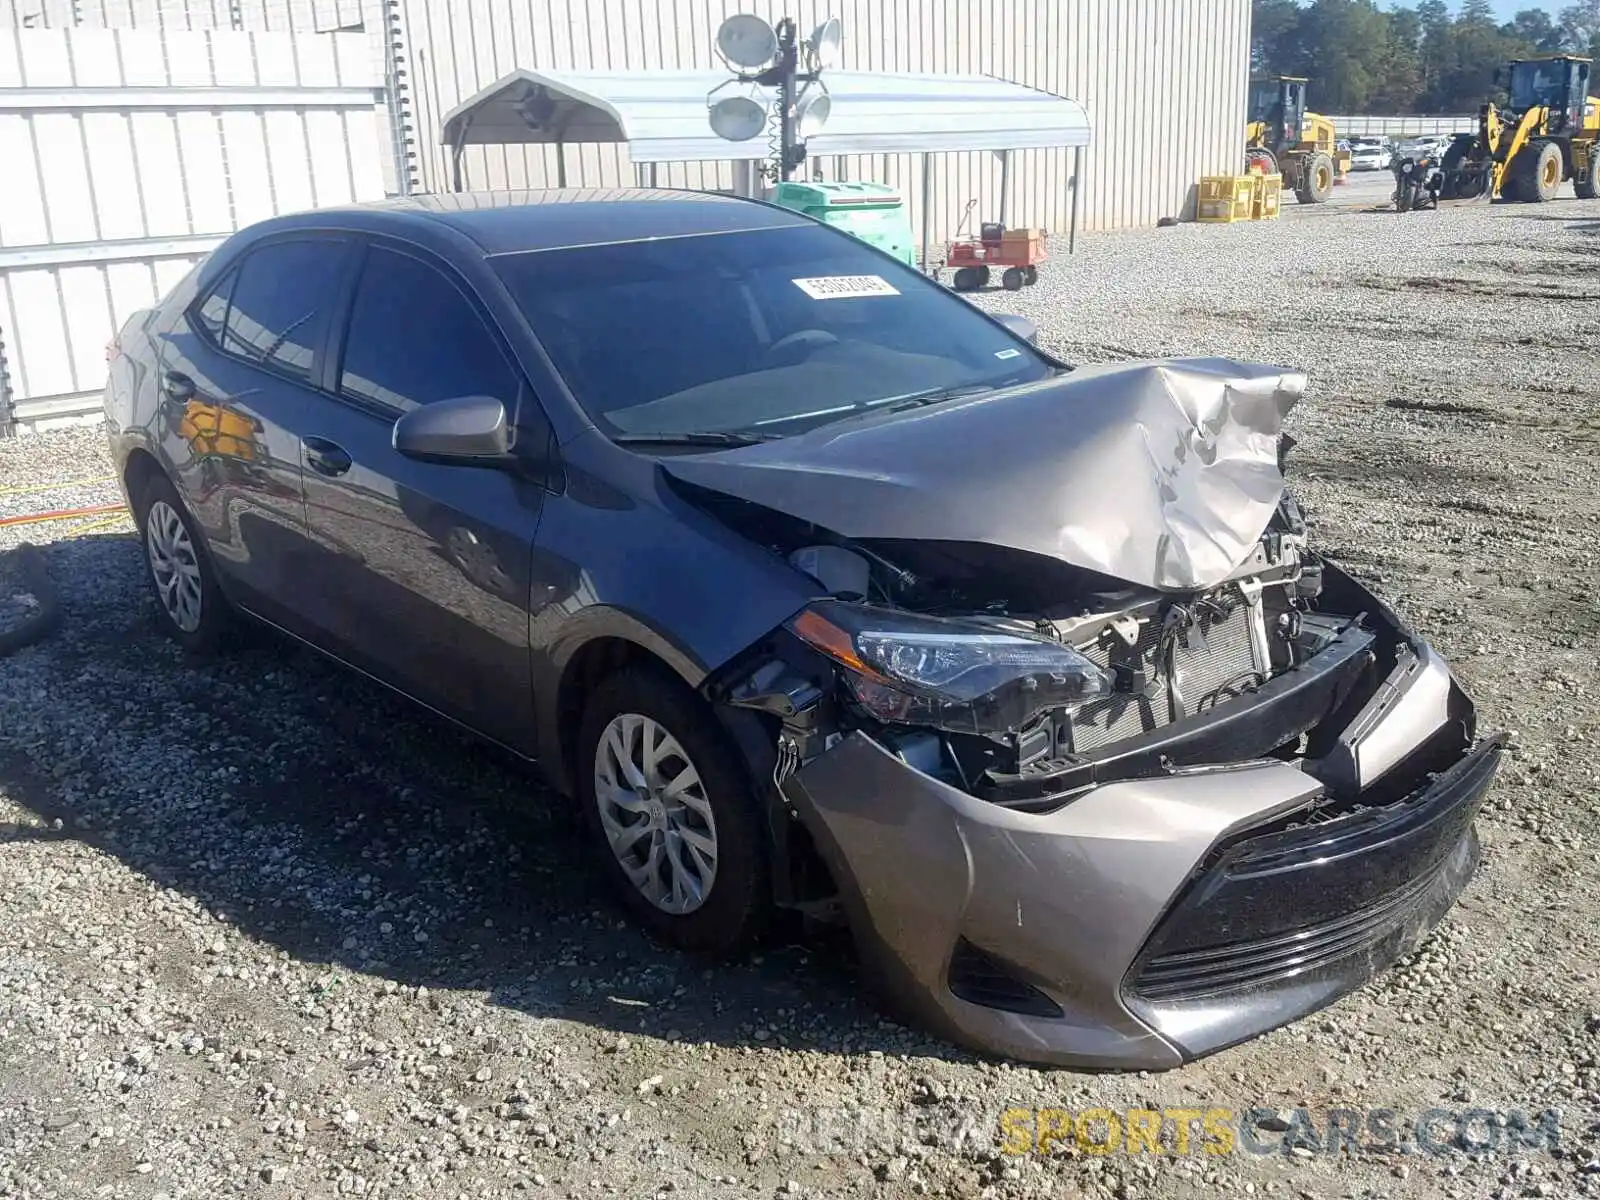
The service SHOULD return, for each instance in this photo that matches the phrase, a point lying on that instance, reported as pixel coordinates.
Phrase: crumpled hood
(1163, 473)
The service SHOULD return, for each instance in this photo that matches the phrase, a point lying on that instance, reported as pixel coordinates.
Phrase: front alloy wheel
(653, 808)
(672, 813)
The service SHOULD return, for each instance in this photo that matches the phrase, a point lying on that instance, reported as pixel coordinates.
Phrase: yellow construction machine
(1548, 132)
(1281, 137)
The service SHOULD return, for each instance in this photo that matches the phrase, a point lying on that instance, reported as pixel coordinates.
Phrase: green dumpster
(872, 212)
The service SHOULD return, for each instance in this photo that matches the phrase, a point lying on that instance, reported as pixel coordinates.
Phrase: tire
(719, 920)
(1316, 179)
(1263, 158)
(983, 277)
(965, 279)
(190, 604)
(1538, 169)
(1030, 275)
(1587, 185)
(1012, 279)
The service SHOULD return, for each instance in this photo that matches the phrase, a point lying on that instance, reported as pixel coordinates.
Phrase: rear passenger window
(280, 304)
(415, 339)
(213, 310)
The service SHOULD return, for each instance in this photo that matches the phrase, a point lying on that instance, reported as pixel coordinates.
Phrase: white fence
(1399, 127)
(128, 154)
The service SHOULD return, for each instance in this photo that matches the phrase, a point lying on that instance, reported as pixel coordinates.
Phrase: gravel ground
(266, 931)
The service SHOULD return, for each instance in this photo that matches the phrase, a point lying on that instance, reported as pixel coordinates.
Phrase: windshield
(770, 331)
(1263, 99)
(1538, 83)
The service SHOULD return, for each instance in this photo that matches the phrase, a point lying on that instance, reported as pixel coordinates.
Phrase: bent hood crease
(1163, 473)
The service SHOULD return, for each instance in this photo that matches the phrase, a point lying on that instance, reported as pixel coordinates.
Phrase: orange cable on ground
(62, 514)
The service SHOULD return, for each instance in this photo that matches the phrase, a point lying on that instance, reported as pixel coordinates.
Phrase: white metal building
(1163, 82)
(135, 134)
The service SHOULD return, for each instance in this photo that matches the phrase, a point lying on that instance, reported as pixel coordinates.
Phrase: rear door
(423, 568)
(238, 383)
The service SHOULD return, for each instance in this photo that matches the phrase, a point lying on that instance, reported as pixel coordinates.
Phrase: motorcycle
(1417, 179)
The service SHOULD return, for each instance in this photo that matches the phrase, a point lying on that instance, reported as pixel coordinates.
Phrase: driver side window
(415, 339)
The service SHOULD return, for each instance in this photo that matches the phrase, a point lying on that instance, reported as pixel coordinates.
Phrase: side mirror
(468, 430)
(1021, 326)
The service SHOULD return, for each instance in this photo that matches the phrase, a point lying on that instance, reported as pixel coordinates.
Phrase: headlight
(914, 670)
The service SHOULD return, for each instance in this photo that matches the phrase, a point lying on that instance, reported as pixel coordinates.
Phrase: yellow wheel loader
(1547, 133)
(1281, 137)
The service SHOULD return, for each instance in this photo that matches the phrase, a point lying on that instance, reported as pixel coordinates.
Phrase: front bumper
(1150, 921)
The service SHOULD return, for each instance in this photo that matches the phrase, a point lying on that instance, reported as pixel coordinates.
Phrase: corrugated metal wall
(127, 154)
(1163, 80)
(265, 16)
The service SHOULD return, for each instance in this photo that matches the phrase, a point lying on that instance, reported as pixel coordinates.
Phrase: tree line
(1407, 60)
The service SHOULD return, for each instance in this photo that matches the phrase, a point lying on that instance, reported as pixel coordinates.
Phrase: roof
(513, 221)
(661, 115)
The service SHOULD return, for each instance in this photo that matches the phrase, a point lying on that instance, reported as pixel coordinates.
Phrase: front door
(238, 384)
(423, 568)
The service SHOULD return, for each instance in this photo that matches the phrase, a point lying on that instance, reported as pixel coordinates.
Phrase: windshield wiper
(919, 399)
(703, 437)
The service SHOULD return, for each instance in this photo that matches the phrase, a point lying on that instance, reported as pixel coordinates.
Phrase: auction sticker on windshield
(845, 287)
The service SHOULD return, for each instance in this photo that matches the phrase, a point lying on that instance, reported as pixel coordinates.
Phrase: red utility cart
(1018, 251)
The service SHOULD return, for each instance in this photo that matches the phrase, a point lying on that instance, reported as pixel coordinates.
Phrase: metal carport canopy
(662, 115)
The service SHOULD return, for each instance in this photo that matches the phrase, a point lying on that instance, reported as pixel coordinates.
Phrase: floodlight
(826, 41)
(737, 118)
(745, 40)
(811, 113)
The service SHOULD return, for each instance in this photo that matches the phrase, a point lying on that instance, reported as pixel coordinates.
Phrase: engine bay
(1250, 668)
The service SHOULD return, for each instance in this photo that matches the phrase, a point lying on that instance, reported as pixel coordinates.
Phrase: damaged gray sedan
(817, 588)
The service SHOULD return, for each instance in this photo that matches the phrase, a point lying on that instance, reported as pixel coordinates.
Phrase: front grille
(1214, 654)
(1196, 974)
(1281, 905)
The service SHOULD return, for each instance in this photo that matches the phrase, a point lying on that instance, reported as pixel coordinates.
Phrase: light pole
(775, 59)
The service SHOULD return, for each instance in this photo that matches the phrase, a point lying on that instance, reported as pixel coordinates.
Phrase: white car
(1370, 154)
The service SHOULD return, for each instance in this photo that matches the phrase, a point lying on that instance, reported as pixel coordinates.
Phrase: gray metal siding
(128, 154)
(1163, 81)
(264, 16)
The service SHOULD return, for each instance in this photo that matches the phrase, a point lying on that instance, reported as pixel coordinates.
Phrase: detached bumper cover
(1144, 924)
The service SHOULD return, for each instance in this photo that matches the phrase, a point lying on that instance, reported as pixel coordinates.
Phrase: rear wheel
(1538, 169)
(1316, 180)
(671, 814)
(1012, 279)
(1030, 275)
(966, 279)
(1587, 185)
(192, 608)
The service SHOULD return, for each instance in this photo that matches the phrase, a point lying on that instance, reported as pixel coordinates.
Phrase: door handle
(178, 387)
(325, 457)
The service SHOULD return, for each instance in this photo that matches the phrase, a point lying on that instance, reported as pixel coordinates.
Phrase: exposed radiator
(1215, 653)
